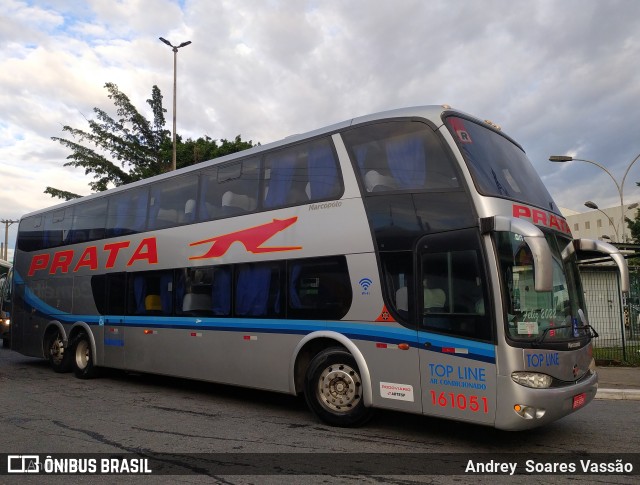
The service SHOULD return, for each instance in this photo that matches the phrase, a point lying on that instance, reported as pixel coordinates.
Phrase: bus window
(127, 212)
(307, 172)
(258, 290)
(452, 293)
(151, 293)
(324, 177)
(57, 227)
(229, 190)
(399, 156)
(319, 288)
(285, 179)
(30, 234)
(173, 202)
(89, 221)
(397, 267)
(109, 293)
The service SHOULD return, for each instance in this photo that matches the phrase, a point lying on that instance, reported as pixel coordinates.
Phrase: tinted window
(151, 293)
(204, 291)
(319, 288)
(400, 155)
(301, 174)
(498, 166)
(229, 190)
(89, 221)
(30, 233)
(173, 202)
(397, 268)
(127, 212)
(452, 292)
(258, 290)
(109, 293)
(57, 227)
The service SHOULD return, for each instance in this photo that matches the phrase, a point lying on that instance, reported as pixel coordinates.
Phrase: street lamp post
(619, 186)
(593, 205)
(175, 65)
(5, 250)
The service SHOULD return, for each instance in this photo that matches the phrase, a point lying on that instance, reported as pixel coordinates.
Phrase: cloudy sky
(561, 77)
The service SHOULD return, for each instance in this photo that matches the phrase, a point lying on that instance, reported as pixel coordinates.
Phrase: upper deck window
(399, 156)
(498, 166)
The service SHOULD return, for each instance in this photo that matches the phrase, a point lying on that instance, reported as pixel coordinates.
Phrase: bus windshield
(499, 167)
(540, 317)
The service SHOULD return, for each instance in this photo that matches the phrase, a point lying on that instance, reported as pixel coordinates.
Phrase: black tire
(82, 359)
(333, 389)
(58, 355)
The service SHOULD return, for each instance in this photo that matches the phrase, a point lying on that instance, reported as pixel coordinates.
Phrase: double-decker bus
(409, 260)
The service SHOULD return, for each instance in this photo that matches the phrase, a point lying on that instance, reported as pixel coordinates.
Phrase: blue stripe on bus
(114, 342)
(470, 349)
(361, 331)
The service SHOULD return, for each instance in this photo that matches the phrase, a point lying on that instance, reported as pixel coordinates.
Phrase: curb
(619, 394)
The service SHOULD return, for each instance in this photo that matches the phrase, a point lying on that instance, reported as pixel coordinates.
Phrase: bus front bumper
(521, 407)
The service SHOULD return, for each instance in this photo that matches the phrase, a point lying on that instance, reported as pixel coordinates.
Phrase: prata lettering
(540, 217)
(63, 261)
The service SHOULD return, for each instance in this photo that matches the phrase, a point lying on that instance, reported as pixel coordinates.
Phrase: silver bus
(409, 260)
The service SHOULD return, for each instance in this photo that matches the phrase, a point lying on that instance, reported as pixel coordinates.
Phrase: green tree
(121, 150)
(634, 226)
(190, 152)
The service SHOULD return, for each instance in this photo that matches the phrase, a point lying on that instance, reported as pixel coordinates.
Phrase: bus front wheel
(333, 389)
(59, 357)
(83, 366)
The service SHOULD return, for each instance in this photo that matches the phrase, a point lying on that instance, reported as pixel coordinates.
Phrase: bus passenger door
(109, 293)
(457, 353)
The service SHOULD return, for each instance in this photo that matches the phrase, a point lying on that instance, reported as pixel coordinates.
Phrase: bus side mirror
(597, 246)
(534, 237)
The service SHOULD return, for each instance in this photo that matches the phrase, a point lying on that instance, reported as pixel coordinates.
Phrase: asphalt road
(168, 419)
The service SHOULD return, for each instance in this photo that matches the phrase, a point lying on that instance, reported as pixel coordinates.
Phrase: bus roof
(432, 113)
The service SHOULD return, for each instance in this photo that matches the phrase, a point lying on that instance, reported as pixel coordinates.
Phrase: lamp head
(591, 205)
(560, 158)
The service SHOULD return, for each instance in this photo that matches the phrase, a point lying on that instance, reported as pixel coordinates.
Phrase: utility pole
(7, 223)
(175, 63)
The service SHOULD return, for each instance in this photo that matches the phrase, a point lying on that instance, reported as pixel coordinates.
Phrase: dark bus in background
(6, 274)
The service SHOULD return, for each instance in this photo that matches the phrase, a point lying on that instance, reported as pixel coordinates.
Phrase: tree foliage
(117, 151)
(634, 226)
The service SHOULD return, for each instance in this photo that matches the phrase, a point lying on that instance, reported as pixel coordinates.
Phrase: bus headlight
(532, 379)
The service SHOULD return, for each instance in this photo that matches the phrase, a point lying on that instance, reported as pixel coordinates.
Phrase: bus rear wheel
(59, 357)
(333, 389)
(83, 366)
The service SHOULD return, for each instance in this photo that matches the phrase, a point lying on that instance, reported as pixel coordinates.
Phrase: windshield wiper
(590, 332)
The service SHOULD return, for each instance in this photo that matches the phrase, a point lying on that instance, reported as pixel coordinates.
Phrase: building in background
(601, 224)
(616, 321)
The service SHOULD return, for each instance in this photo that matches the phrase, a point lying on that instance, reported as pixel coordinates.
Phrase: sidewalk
(618, 382)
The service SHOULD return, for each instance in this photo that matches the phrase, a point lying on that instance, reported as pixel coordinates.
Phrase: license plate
(579, 400)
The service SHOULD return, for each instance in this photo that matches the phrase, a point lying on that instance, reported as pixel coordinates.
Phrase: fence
(617, 325)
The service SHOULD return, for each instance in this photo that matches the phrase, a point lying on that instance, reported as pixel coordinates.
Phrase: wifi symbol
(365, 283)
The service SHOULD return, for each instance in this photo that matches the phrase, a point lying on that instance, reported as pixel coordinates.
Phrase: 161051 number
(460, 401)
